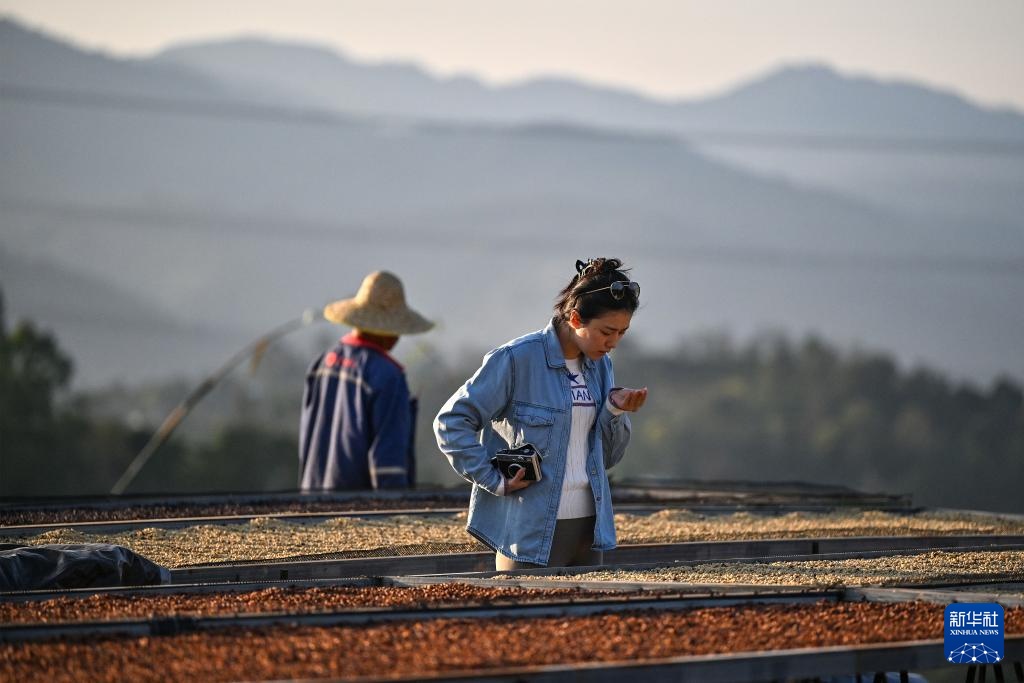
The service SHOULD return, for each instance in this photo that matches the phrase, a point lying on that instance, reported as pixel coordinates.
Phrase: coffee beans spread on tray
(292, 600)
(428, 647)
(931, 567)
(268, 538)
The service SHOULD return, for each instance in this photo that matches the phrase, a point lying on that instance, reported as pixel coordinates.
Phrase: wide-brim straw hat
(379, 308)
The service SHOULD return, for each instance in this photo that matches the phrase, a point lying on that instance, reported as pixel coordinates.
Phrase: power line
(276, 114)
(254, 350)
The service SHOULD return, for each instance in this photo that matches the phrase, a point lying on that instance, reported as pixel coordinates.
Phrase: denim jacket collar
(553, 349)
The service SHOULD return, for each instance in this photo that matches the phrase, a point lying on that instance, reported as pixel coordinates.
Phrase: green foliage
(32, 370)
(777, 410)
(54, 448)
(240, 457)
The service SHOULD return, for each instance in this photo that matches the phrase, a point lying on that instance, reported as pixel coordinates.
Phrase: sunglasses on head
(618, 289)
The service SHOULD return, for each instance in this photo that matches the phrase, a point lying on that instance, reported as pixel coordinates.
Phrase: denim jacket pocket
(533, 424)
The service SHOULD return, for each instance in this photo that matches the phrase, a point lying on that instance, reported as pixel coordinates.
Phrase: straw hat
(379, 308)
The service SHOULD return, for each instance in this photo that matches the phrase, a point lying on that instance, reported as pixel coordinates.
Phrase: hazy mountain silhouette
(805, 99)
(110, 332)
(813, 102)
(816, 99)
(233, 223)
(31, 58)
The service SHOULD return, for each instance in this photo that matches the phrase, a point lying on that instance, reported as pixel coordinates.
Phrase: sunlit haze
(666, 48)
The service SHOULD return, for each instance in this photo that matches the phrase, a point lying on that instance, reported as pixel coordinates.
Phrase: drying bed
(435, 646)
(928, 568)
(398, 535)
(76, 510)
(678, 526)
(127, 510)
(106, 606)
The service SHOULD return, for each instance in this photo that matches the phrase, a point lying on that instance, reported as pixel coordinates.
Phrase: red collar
(352, 339)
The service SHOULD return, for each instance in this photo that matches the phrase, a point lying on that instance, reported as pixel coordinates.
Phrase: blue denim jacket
(521, 394)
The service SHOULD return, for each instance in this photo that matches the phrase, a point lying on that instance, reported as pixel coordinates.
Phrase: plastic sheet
(89, 565)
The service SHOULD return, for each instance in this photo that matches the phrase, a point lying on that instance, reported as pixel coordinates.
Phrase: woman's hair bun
(596, 266)
(593, 277)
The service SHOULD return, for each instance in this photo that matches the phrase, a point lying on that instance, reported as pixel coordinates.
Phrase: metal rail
(706, 590)
(688, 493)
(61, 503)
(635, 556)
(333, 569)
(193, 588)
(113, 527)
(118, 525)
(727, 668)
(1006, 594)
(665, 491)
(940, 595)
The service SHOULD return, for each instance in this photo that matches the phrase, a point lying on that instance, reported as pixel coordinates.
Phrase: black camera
(511, 460)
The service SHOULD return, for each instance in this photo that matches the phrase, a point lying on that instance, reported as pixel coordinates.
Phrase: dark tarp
(86, 565)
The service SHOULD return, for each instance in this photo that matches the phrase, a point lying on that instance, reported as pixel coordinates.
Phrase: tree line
(771, 409)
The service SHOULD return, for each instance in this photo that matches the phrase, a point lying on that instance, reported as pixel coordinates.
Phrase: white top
(577, 497)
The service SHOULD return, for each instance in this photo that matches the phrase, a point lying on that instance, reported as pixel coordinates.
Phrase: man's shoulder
(380, 372)
(358, 361)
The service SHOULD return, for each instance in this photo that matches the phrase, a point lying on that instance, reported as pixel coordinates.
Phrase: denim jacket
(521, 394)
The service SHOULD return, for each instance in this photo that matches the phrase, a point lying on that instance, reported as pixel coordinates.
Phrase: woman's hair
(587, 292)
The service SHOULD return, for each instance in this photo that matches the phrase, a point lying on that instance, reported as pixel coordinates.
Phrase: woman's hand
(628, 399)
(516, 482)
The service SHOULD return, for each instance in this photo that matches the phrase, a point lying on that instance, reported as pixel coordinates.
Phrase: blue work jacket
(358, 421)
(522, 394)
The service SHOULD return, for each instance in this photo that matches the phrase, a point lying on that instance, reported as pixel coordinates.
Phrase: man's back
(357, 421)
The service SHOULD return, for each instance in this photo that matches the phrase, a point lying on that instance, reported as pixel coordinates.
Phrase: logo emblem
(974, 633)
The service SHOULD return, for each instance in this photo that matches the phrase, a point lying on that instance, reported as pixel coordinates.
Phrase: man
(358, 420)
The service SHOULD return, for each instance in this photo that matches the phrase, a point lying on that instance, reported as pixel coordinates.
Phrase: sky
(664, 48)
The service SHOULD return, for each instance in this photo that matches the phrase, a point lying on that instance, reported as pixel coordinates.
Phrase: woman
(554, 389)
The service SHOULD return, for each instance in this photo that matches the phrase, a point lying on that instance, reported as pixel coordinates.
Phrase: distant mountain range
(807, 123)
(223, 221)
(808, 99)
(109, 331)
